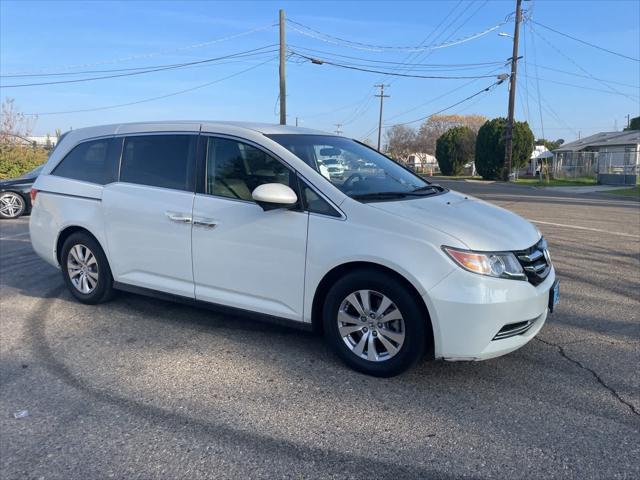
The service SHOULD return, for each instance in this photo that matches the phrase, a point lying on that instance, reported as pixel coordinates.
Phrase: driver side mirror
(271, 196)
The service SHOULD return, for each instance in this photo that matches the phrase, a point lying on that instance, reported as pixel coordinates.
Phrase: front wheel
(85, 269)
(374, 324)
(12, 205)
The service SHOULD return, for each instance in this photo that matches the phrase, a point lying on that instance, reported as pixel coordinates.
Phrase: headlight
(493, 264)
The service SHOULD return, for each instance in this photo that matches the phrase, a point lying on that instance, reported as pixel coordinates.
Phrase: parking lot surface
(142, 388)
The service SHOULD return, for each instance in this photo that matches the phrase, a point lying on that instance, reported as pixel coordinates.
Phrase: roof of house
(630, 137)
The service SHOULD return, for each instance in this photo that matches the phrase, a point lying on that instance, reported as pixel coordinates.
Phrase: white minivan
(238, 216)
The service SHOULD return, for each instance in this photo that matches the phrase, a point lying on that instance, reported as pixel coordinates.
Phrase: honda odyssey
(239, 217)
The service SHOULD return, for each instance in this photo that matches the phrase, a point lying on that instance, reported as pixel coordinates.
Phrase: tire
(93, 282)
(390, 347)
(12, 205)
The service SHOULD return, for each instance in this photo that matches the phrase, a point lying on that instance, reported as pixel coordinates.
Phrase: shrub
(454, 149)
(490, 148)
(16, 160)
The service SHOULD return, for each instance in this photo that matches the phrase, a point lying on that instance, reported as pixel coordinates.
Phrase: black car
(14, 194)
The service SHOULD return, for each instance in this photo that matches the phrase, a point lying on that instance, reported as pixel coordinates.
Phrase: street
(140, 388)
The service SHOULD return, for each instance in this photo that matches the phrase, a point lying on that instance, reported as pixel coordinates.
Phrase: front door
(243, 256)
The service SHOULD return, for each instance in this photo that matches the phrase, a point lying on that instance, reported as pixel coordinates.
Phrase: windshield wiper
(432, 188)
(380, 195)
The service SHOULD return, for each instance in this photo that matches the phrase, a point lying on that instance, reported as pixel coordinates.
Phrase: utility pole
(338, 131)
(296, 121)
(382, 97)
(508, 134)
(283, 86)
(628, 121)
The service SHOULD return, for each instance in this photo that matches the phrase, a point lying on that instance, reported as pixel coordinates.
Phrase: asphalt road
(140, 388)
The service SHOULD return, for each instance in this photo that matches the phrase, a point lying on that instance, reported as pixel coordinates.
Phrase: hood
(477, 224)
(13, 182)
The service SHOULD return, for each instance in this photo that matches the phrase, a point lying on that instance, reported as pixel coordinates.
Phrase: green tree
(454, 149)
(490, 148)
(634, 124)
(550, 144)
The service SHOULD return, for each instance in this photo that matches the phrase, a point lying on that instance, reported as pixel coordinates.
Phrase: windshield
(33, 173)
(357, 170)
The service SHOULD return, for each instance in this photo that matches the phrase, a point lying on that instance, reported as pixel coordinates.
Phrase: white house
(614, 153)
(43, 140)
(421, 162)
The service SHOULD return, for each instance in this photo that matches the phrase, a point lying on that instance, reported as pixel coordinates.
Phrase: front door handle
(178, 217)
(204, 222)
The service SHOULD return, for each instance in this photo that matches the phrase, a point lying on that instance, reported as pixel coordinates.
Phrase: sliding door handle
(178, 217)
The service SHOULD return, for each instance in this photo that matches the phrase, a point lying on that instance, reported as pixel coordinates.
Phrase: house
(606, 153)
(421, 162)
(539, 153)
(43, 140)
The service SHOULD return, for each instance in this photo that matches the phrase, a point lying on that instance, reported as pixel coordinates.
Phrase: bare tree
(401, 141)
(437, 125)
(15, 126)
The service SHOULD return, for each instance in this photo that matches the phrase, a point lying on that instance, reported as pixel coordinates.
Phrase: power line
(130, 69)
(416, 107)
(384, 62)
(151, 99)
(154, 54)
(583, 76)
(537, 78)
(629, 96)
(416, 55)
(487, 89)
(580, 67)
(139, 72)
(552, 112)
(585, 42)
(379, 48)
(318, 61)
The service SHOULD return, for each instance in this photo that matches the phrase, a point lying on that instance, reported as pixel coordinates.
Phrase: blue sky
(70, 36)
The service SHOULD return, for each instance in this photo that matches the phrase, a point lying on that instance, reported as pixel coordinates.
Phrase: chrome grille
(535, 262)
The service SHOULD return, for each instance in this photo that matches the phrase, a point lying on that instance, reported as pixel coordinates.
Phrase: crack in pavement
(563, 354)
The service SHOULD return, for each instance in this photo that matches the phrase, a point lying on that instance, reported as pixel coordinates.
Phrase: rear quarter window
(94, 161)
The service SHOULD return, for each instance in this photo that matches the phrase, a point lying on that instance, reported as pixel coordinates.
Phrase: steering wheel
(348, 183)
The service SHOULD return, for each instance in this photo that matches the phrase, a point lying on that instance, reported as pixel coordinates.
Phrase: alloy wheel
(371, 325)
(82, 268)
(11, 205)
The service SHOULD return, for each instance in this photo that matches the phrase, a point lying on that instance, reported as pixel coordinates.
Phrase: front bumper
(468, 310)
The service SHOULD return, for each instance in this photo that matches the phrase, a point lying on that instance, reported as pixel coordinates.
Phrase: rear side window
(159, 160)
(95, 161)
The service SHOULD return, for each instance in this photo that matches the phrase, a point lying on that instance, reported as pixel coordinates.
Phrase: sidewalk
(585, 189)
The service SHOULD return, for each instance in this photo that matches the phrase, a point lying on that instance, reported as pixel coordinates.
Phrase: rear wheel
(85, 269)
(374, 323)
(12, 205)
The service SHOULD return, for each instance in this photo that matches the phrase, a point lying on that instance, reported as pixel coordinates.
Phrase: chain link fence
(593, 164)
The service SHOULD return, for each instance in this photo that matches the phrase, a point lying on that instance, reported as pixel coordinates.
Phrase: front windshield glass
(357, 170)
(33, 173)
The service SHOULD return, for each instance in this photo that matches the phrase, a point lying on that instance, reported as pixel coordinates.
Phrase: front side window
(355, 169)
(235, 169)
(94, 161)
(159, 160)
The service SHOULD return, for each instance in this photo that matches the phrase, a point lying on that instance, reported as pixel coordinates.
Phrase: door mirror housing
(271, 196)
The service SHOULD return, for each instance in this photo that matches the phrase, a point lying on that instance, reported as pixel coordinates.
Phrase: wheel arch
(338, 271)
(67, 232)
